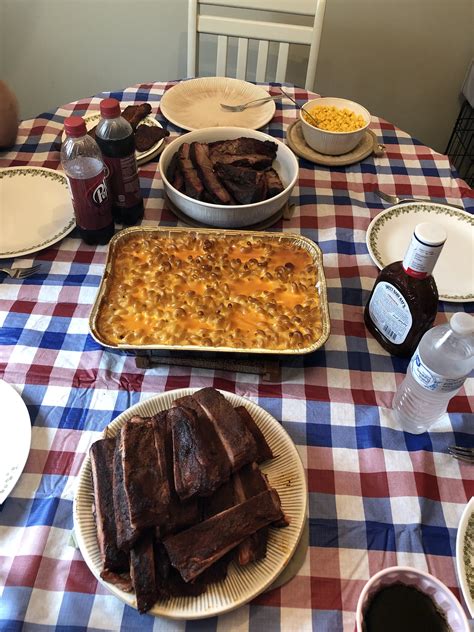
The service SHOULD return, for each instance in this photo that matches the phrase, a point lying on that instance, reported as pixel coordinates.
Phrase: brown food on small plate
(136, 113)
(141, 542)
(147, 135)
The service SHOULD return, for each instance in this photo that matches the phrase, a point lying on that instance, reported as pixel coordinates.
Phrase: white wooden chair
(263, 31)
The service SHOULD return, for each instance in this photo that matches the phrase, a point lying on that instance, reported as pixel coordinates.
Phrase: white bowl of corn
(334, 126)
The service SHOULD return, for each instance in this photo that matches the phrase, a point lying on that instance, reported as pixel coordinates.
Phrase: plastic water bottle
(116, 140)
(82, 162)
(438, 369)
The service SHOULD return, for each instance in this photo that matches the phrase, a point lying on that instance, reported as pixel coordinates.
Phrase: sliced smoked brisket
(246, 185)
(197, 548)
(200, 155)
(126, 534)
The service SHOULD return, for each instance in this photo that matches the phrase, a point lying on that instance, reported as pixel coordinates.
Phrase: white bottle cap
(462, 323)
(430, 234)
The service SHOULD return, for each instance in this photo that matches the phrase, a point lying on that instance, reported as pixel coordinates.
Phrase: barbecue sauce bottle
(404, 300)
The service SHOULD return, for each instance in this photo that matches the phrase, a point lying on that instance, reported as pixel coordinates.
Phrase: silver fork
(394, 199)
(21, 273)
(243, 106)
(466, 455)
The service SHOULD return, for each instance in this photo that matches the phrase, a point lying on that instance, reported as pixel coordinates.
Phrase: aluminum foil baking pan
(303, 242)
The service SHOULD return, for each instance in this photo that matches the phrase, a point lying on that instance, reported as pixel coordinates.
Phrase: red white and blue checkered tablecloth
(377, 496)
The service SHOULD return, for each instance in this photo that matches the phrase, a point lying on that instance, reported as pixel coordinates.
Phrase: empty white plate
(390, 232)
(35, 210)
(15, 438)
(195, 104)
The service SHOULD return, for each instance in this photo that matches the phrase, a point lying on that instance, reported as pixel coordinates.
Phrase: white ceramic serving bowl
(430, 585)
(235, 216)
(333, 143)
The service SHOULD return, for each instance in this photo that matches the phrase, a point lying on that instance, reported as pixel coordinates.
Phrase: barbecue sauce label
(390, 313)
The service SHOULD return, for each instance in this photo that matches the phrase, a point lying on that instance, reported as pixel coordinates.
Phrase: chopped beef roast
(237, 171)
(144, 473)
(102, 464)
(136, 113)
(158, 544)
(264, 452)
(196, 548)
(142, 571)
(232, 431)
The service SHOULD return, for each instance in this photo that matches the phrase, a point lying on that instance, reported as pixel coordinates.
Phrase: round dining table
(378, 496)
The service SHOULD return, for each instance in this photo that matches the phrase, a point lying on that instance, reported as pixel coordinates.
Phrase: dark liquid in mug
(402, 608)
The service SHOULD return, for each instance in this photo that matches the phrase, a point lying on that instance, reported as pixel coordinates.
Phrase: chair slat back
(262, 31)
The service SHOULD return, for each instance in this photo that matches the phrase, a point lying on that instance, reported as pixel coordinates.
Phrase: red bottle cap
(75, 126)
(110, 108)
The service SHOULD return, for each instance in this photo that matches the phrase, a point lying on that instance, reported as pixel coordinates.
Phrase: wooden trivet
(269, 369)
(368, 145)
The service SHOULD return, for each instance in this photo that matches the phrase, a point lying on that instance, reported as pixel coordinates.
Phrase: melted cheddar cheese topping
(200, 290)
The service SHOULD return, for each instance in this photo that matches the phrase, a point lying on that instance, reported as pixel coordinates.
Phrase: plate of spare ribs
(191, 504)
(148, 132)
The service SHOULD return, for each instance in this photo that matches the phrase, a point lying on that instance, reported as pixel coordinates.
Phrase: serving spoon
(394, 199)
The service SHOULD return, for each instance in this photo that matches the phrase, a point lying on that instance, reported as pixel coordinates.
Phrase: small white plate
(285, 473)
(390, 232)
(15, 438)
(465, 555)
(195, 104)
(142, 157)
(35, 210)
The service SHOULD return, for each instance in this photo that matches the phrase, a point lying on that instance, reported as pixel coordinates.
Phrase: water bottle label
(432, 381)
(390, 313)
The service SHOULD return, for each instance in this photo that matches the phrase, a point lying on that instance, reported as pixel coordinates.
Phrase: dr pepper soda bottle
(82, 161)
(115, 138)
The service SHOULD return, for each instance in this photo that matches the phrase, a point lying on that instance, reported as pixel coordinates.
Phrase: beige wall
(403, 59)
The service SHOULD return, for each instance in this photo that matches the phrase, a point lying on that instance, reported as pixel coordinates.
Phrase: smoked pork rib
(142, 570)
(249, 481)
(196, 470)
(182, 514)
(237, 440)
(264, 452)
(197, 548)
(144, 473)
(126, 534)
(102, 463)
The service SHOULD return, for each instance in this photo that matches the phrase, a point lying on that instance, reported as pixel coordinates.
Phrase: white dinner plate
(15, 438)
(195, 104)
(285, 473)
(390, 232)
(142, 157)
(465, 555)
(35, 210)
